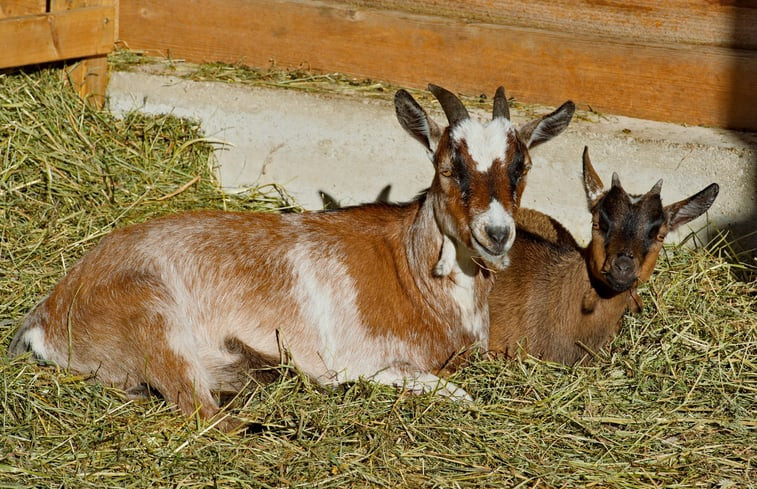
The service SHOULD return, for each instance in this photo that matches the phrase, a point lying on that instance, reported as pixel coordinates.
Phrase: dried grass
(672, 405)
(305, 80)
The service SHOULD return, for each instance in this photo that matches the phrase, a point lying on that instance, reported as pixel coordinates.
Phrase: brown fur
(555, 301)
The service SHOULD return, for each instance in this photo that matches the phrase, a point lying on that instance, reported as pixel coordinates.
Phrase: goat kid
(561, 302)
(191, 304)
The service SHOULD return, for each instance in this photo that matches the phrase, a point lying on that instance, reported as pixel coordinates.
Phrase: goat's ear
(688, 209)
(542, 130)
(383, 196)
(416, 122)
(328, 201)
(592, 183)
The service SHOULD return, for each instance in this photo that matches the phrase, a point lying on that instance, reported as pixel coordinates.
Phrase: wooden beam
(17, 8)
(698, 22)
(56, 36)
(703, 85)
(89, 78)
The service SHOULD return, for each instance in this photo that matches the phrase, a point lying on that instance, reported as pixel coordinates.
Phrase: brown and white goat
(561, 302)
(188, 304)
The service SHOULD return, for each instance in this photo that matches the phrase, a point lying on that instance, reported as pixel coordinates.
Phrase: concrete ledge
(352, 148)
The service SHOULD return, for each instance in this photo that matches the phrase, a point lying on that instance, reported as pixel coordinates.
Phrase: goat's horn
(453, 108)
(615, 180)
(500, 105)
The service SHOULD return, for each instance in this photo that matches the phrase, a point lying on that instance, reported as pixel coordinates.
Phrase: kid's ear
(592, 183)
(688, 209)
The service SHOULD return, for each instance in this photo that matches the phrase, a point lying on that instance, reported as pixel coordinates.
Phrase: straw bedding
(673, 404)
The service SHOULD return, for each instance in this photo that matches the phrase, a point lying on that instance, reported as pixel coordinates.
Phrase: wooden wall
(30, 33)
(41, 31)
(686, 61)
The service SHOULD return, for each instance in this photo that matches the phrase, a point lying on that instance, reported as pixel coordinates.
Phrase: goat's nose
(498, 235)
(623, 265)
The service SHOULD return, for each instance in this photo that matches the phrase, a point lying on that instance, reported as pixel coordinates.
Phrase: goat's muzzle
(498, 237)
(621, 272)
(493, 245)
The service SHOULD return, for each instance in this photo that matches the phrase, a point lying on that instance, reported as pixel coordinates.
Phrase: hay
(304, 80)
(672, 405)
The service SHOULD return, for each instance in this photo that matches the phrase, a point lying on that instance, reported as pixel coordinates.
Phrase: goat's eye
(446, 172)
(595, 225)
(656, 232)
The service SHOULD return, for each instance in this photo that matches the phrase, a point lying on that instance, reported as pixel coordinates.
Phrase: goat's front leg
(447, 257)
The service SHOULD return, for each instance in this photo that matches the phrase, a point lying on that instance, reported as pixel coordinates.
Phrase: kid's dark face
(627, 235)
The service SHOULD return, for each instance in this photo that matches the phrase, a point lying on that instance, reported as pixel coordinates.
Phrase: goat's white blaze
(486, 142)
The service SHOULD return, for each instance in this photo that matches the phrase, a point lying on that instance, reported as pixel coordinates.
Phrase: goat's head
(480, 168)
(628, 230)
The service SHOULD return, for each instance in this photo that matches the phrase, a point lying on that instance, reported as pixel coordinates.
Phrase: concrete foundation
(353, 147)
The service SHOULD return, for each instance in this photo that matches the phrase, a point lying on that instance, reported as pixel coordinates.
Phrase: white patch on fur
(593, 195)
(317, 298)
(327, 300)
(35, 338)
(421, 383)
(188, 337)
(486, 143)
(463, 291)
(635, 198)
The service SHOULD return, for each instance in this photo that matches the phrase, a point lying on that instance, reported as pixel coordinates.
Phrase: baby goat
(189, 304)
(559, 301)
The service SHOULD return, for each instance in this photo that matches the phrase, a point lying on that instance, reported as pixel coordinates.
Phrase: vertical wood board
(89, 78)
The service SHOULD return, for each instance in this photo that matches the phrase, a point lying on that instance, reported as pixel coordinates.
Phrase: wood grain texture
(697, 22)
(17, 8)
(20, 8)
(89, 78)
(704, 85)
(57, 36)
(58, 5)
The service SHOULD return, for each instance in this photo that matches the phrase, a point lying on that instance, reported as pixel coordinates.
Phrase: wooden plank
(58, 5)
(694, 85)
(57, 36)
(699, 22)
(17, 8)
(89, 78)
(20, 8)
